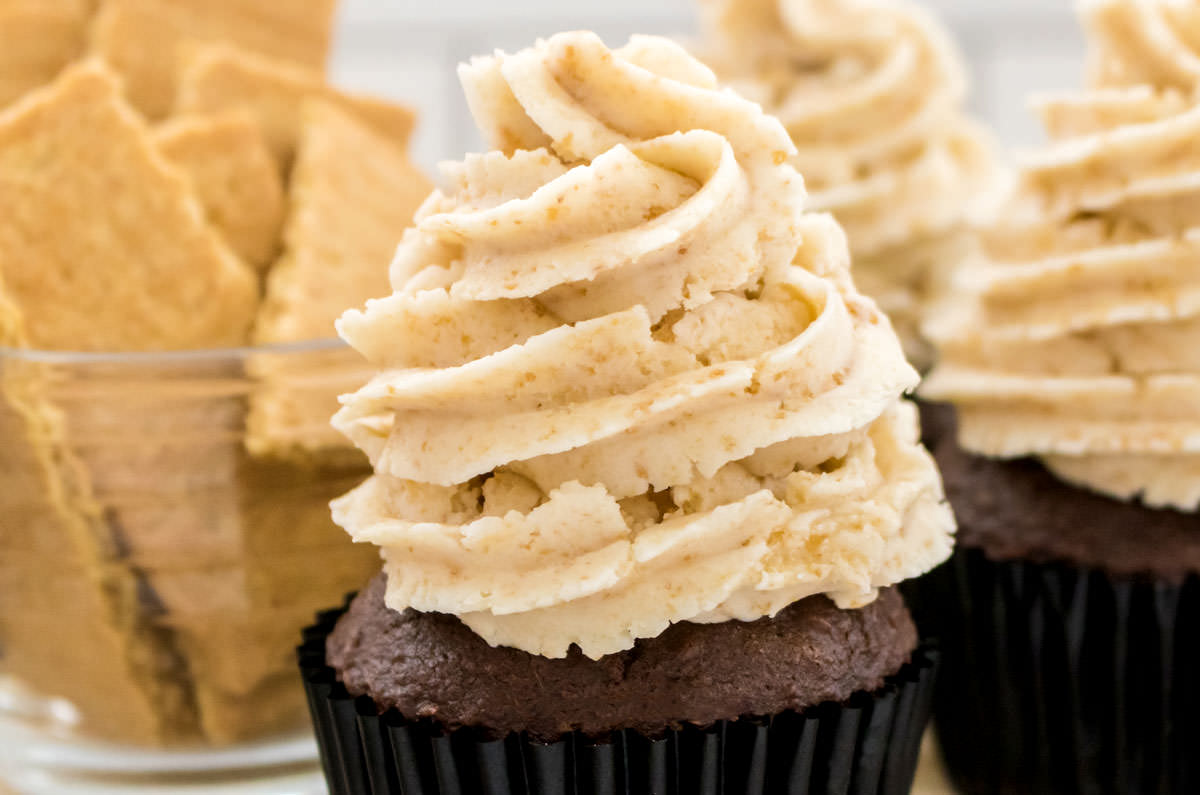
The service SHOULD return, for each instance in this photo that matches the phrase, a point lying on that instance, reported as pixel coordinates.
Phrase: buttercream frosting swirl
(1074, 337)
(1143, 42)
(871, 92)
(625, 380)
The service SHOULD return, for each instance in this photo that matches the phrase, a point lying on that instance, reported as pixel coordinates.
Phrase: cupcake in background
(1069, 351)
(871, 92)
(644, 479)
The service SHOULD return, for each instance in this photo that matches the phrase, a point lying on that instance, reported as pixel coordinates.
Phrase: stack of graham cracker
(178, 174)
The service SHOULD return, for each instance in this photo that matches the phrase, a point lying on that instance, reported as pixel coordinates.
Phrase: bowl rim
(198, 355)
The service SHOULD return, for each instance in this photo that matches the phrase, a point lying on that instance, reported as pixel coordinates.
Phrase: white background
(407, 49)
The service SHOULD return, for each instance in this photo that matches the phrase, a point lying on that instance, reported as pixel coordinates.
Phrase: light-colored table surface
(931, 778)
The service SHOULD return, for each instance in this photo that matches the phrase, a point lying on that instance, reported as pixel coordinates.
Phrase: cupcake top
(427, 665)
(871, 92)
(1073, 339)
(625, 380)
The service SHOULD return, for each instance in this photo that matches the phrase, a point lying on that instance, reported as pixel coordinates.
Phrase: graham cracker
(12, 324)
(353, 193)
(294, 562)
(102, 244)
(80, 632)
(234, 176)
(293, 398)
(37, 39)
(144, 39)
(221, 77)
(151, 538)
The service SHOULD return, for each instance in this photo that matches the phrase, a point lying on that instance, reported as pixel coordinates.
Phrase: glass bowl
(165, 535)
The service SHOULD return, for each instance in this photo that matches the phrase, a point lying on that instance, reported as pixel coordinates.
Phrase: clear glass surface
(164, 536)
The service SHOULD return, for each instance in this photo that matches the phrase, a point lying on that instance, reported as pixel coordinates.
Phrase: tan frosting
(624, 379)
(1143, 42)
(871, 92)
(1075, 337)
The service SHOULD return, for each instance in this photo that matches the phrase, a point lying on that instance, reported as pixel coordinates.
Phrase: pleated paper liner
(1058, 679)
(866, 746)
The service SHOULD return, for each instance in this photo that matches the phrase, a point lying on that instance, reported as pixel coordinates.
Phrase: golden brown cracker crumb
(234, 176)
(37, 39)
(102, 245)
(221, 77)
(144, 40)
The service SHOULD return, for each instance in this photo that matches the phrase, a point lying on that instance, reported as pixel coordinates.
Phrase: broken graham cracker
(221, 77)
(234, 176)
(37, 39)
(235, 554)
(12, 324)
(144, 40)
(102, 243)
(353, 193)
(293, 562)
(80, 632)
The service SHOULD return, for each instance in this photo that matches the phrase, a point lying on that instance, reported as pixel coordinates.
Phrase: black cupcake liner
(865, 746)
(1058, 679)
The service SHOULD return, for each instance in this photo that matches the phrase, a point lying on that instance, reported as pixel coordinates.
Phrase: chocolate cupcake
(643, 474)
(432, 666)
(1068, 613)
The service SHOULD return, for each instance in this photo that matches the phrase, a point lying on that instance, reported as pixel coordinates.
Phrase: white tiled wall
(407, 49)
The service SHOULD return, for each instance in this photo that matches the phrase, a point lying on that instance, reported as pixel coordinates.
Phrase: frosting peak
(871, 92)
(1142, 42)
(1073, 338)
(625, 380)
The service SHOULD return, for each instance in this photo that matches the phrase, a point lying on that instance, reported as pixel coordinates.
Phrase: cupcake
(1069, 353)
(872, 96)
(643, 477)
